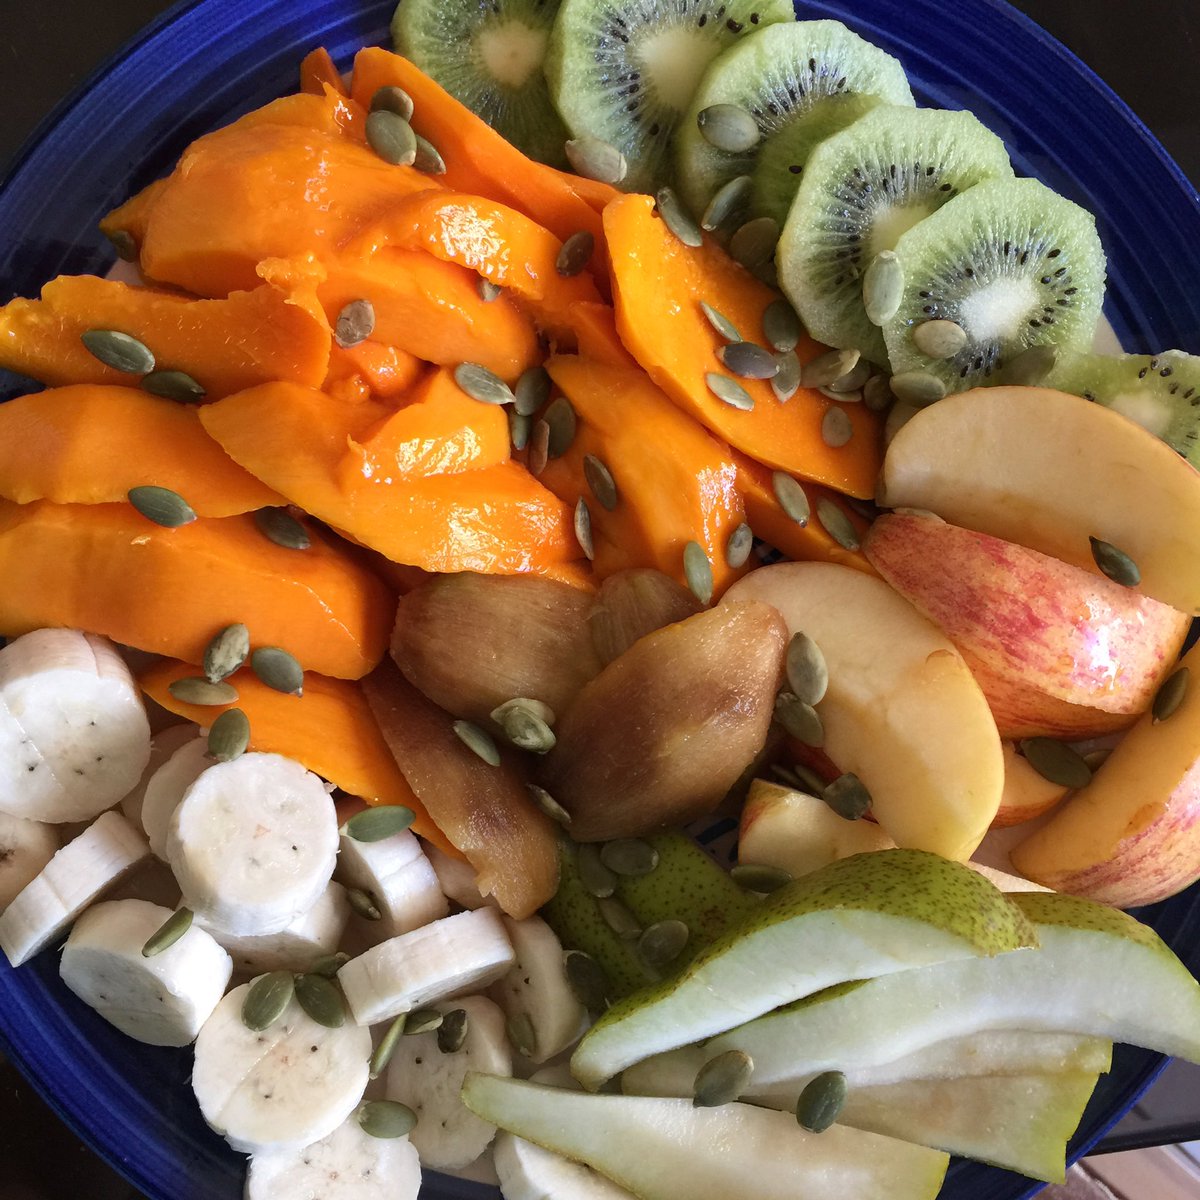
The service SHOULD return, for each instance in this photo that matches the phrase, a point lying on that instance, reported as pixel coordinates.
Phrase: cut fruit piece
(662, 1149)
(627, 74)
(902, 712)
(802, 82)
(529, 1172)
(1026, 793)
(1010, 262)
(1090, 472)
(860, 191)
(633, 603)
(869, 915)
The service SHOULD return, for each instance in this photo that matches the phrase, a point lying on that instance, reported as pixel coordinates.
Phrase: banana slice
(283, 1088)
(448, 1135)
(162, 1000)
(457, 954)
(68, 883)
(346, 1165)
(166, 788)
(253, 844)
(457, 879)
(162, 745)
(400, 879)
(25, 848)
(74, 737)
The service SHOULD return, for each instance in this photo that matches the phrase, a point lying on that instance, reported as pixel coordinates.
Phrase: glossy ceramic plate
(208, 62)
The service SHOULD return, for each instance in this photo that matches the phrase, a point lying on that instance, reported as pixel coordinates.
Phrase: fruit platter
(596, 602)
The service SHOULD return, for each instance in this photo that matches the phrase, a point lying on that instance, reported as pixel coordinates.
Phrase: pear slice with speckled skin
(869, 915)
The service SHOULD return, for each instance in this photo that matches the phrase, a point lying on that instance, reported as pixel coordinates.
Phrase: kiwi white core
(891, 222)
(511, 51)
(674, 59)
(1148, 411)
(997, 310)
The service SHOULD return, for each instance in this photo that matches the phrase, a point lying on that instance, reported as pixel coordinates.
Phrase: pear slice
(857, 918)
(662, 1149)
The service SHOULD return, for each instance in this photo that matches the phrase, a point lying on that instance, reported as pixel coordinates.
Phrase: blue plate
(204, 64)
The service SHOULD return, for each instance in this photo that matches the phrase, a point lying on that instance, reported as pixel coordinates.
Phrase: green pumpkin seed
(1031, 366)
(452, 1032)
(521, 1034)
(749, 361)
(596, 878)
(194, 689)
(540, 710)
(532, 391)
(119, 351)
(786, 776)
(267, 1000)
(676, 218)
(548, 804)
(728, 127)
(807, 671)
(800, 720)
(720, 322)
(423, 1020)
(161, 505)
(753, 243)
(662, 943)
(1171, 694)
(739, 545)
(1057, 762)
(697, 570)
(877, 393)
(226, 652)
(847, 795)
(730, 204)
(354, 324)
(539, 447)
(722, 1079)
(364, 904)
(883, 288)
(124, 243)
(821, 1102)
(600, 482)
(594, 158)
(918, 388)
(836, 427)
(1095, 759)
(787, 380)
(229, 735)
(329, 964)
(619, 918)
(781, 326)
(755, 877)
(321, 999)
(428, 161)
(168, 933)
(939, 340)
(173, 385)
(729, 390)
(1115, 563)
(845, 397)
(387, 1046)
(525, 725)
(394, 100)
(279, 526)
(477, 741)
(386, 1119)
(846, 386)
(376, 824)
(834, 521)
(519, 428)
(583, 529)
(587, 979)
(275, 667)
(575, 254)
(562, 422)
(392, 138)
(791, 496)
(829, 367)
(629, 856)
(483, 385)
(810, 781)
(488, 291)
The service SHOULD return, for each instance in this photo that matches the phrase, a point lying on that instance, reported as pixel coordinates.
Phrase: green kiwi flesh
(625, 71)
(1011, 262)
(802, 82)
(490, 56)
(862, 189)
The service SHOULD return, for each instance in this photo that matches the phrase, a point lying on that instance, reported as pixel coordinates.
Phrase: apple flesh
(1026, 794)
(1058, 651)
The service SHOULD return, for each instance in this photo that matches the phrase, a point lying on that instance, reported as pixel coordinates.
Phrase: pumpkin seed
(722, 1079)
(844, 397)
(267, 1000)
(423, 1020)
(194, 689)
(898, 416)
(483, 385)
(847, 795)
(229, 735)
(596, 878)
(756, 877)
(521, 1034)
(428, 161)
(452, 1032)
(525, 725)
(729, 390)
(791, 496)
(532, 391)
(391, 137)
(394, 100)
(828, 367)
(1171, 694)
(753, 243)
(810, 781)
(786, 776)
(1056, 761)
(519, 428)
(387, 1046)
(168, 933)
(364, 904)
(619, 918)
(629, 856)
(854, 379)
(739, 545)
(226, 652)
(329, 964)
(877, 393)
(575, 253)
(561, 419)
(386, 1119)
(729, 205)
(600, 481)
(1031, 366)
(801, 720)
(939, 339)
(1095, 759)
(173, 385)
(807, 671)
(583, 529)
(767, 273)
(1115, 563)
(728, 127)
(321, 999)
(539, 447)
(354, 324)
(375, 824)
(781, 325)
(697, 570)
(548, 804)
(594, 158)
(918, 388)
(124, 243)
(478, 742)
(676, 218)
(119, 351)
(836, 427)
(488, 291)
(662, 943)
(720, 322)
(821, 1102)
(749, 361)
(834, 521)
(279, 526)
(787, 380)
(883, 287)
(161, 505)
(588, 980)
(278, 670)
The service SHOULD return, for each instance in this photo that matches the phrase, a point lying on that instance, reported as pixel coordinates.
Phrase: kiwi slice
(1010, 262)
(861, 190)
(801, 82)
(625, 71)
(489, 56)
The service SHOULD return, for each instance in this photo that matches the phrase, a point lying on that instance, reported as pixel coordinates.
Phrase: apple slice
(661, 1149)
(1048, 471)
(1026, 793)
(902, 710)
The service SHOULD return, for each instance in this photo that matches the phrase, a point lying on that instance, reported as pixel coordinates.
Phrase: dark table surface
(1147, 50)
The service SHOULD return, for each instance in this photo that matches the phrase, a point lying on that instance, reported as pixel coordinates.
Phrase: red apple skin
(1057, 650)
